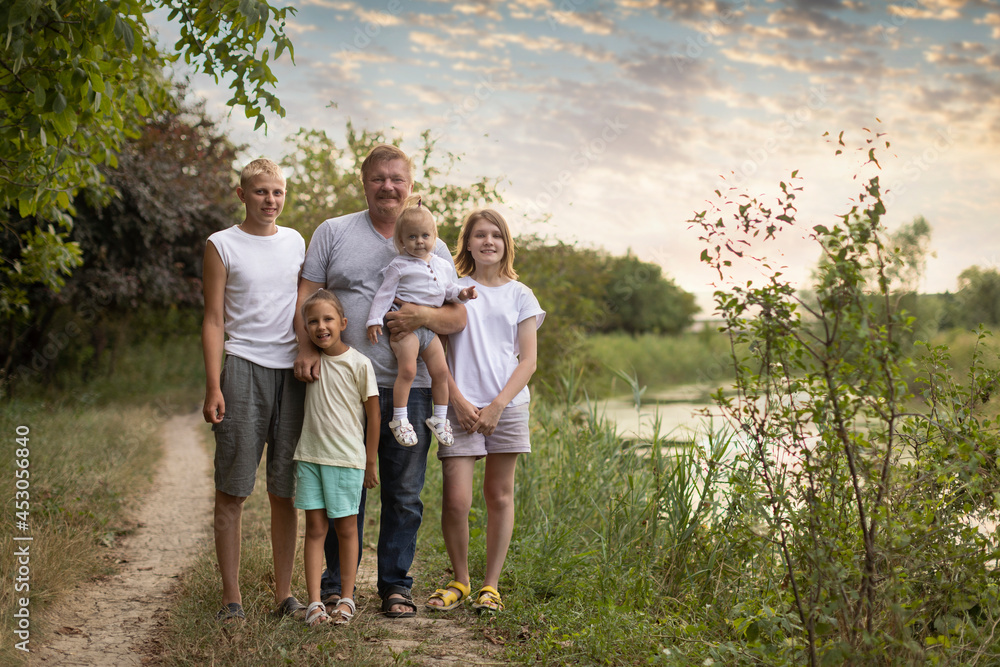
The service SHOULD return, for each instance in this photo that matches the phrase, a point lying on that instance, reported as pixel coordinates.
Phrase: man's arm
(213, 333)
(448, 319)
(307, 362)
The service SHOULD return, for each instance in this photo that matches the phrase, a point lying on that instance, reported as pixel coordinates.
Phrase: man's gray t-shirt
(348, 256)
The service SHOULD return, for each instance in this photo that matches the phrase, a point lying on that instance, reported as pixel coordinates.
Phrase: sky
(613, 123)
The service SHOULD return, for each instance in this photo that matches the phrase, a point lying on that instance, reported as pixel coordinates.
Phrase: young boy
(250, 286)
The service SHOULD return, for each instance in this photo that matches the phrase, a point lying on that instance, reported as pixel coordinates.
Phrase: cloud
(592, 23)
(478, 9)
(425, 94)
(426, 42)
(546, 43)
(991, 19)
(293, 27)
(938, 11)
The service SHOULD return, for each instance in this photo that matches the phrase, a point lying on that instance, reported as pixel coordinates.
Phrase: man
(346, 256)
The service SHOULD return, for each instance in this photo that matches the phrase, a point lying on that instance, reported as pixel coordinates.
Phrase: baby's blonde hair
(413, 210)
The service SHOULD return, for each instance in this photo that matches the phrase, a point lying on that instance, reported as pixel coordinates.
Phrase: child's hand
(488, 418)
(373, 334)
(371, 476)
(465, 413)
(214, 408)
(468, 293)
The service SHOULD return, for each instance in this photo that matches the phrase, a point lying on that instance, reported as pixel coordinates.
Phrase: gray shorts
(511, 436)
(263, 405)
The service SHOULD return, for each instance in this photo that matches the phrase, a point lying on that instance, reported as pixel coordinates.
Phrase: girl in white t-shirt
(417, 275)
(491, 362)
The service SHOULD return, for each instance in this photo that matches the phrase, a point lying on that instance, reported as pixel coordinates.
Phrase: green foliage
(139, 251)
(585, 291)
(80, 77)
(324, 181)
(978, 298)
(862, 473)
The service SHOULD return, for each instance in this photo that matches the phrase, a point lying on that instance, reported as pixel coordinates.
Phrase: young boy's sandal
(488, 599)
(339, 616)
(449, 600)
(331, 601)
(316, 614)
(441, 428)
(403, 432)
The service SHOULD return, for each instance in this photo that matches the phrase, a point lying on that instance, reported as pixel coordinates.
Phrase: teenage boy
(250, 285)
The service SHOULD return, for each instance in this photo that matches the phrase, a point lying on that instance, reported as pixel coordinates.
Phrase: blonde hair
(413, 210)
(385, 153)
(465, 265)
(322, 295)
(256, 168)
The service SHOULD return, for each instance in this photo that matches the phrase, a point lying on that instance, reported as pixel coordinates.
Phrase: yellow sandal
(448, 598)
(488, 599)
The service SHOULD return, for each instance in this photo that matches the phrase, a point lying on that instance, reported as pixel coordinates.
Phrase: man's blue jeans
(401, 479)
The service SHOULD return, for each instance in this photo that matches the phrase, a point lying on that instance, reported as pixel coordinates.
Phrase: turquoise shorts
(337, 490)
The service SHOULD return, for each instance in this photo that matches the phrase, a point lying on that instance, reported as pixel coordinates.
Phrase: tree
(140, 251)
(978, 298)
(860, 473)
(324, 180)
(80, 77)
(641, 300)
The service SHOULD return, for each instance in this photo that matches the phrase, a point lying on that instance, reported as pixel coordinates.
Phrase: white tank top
(262, 274)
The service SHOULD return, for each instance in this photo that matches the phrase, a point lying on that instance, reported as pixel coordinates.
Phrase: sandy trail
(111, 622)
(105, 622)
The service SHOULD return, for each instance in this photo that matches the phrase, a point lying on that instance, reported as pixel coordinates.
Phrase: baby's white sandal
(403, 431)
(441, 428)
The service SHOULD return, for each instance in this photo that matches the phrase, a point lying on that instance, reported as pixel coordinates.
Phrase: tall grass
(606, 533)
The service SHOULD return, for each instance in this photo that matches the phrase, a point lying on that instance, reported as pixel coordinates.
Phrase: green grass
(92, 450)
(657, 361)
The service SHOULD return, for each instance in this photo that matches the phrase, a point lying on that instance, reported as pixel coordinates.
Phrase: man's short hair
(256, 168)
(385, 153)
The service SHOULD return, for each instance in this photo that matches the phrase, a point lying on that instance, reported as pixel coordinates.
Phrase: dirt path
(113, 622)
(104, 623)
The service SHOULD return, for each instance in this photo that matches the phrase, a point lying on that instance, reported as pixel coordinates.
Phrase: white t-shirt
(262, 275)
(483, 356)
(333, 431)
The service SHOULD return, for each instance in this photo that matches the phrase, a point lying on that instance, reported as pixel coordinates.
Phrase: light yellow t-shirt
(333, 432)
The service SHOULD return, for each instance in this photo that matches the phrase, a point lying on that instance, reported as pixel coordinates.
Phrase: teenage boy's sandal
(291, 607)
(316, 615)
(388, 602)
(488, 599)
(230, 613)
(449, 600)
(339, 616)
